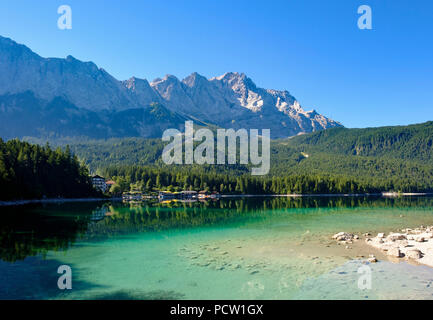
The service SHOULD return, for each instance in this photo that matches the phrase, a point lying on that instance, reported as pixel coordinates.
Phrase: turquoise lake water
(249, 248)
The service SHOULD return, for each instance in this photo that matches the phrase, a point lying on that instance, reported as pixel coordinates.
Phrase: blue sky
(312, 48)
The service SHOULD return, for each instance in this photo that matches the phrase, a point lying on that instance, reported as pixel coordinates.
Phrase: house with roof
(99, 183)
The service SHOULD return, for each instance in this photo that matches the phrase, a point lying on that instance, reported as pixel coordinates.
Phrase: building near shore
(215, 195)
(109, 184)
(183, 195)
(132, 196)
(189, 195)
(203, 194)
(166, 195)
(99, 183)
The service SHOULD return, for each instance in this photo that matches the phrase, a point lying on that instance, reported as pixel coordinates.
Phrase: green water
(251, 248)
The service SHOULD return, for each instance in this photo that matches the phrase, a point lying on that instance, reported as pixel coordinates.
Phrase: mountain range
(67, 97)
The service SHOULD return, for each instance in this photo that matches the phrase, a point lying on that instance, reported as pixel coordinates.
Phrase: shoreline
(323, 195)
(294, 195)
(412, 245)
(54, 200)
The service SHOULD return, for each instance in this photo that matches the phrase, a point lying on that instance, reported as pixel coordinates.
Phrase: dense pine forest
(31, 172)
(413, 142)
(336, 160)
(150, 179)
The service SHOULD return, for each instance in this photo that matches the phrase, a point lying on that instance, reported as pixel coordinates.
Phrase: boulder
(394, 252)
(419, 239)
(396, 236)
(381, 235)
(413, 254)
(402, 243)
(337, 235)
(378, 240)
(343, 236)
(372, 259)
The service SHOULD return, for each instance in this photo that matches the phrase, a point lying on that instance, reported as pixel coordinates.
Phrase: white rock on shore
(344, 236)
(394, 252)
(413, 254)
(412, 244)
(372, 258)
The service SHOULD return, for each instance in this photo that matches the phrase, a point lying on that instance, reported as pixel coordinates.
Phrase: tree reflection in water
(36, 229)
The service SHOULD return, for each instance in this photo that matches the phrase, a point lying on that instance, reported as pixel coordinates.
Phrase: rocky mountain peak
(229, 100)
(71, 59)
(166, 85)
(194, 79)
(235, 78)
(11, 50)
(136, 84)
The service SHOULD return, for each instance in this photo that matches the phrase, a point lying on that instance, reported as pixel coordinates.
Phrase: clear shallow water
(255, 248)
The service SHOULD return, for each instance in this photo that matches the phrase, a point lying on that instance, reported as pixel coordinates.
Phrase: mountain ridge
(230, 100)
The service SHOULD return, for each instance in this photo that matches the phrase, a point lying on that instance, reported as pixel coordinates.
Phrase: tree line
(175, 178)
(30, 171)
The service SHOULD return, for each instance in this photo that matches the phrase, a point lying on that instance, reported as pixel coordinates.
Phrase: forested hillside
(32, 171)
(335, 160)
(403, 154)
(412, 142)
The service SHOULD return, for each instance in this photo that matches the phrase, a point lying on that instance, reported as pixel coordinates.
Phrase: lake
(233, 248)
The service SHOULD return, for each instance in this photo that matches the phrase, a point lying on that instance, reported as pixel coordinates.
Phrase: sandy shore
(411, 245)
